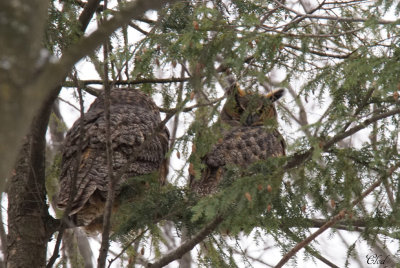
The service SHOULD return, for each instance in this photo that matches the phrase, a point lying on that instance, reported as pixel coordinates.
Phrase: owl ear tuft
(240, 91)
(233, 87)
(275, 94)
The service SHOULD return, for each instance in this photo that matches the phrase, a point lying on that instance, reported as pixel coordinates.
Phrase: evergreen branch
(223, 68)
(342, 135)
(320, 53)
(362, 105)
(53, 74)
(301, 17)
(336, 218)
(308, 240)
(97, 92)
(334, 18)
(310, 250)
(348, 19)
(190, 108)
(298, 158)
(127, 246)
(130, 82)
(187, 245)
(84, 18)
(301, 35)
(356, 223)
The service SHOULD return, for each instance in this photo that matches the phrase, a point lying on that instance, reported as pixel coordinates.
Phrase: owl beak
(275, 94)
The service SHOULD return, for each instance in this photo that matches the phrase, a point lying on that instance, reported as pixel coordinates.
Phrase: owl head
(249, 108)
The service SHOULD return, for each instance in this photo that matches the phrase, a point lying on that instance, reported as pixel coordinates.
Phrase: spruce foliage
(340, 118)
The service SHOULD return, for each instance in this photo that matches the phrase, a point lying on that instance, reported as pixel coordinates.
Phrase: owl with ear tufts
(138, 144)
(251, 135)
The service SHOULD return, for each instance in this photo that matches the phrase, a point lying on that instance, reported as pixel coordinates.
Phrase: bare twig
(3, 236)
(187, 245)
(64, 220)
(190, 108)
(105, 243)
(335, 219)
(312, 251)
(127, 246)
(137, 28)
(69, 103)
(84, 247)
(87, 13)
(176, 119)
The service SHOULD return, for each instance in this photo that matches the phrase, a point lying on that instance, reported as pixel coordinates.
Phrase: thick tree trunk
(27, 210)
(28, 218)
(21, 31)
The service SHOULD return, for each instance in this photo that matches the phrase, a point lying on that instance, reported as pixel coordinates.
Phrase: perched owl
(138, 147)
(251, 136)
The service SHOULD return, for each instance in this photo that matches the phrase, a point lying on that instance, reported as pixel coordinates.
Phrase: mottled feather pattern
(245, 145)
(251, 136)
(133, 119)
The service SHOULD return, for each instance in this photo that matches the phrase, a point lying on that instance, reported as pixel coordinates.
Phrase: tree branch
(127, 246)
(48, 78)
(53, 73)
(187, 245)
(309, 15)
(335, 219)
(320, 53)
(64, 221)
(299, 158)
(105, 243)
(364, 124)
(130, 82)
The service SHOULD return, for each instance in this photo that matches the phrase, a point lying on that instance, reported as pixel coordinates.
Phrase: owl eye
(274, 95)
(253, 136)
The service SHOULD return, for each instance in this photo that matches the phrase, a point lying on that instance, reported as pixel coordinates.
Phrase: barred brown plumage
(251, 135)
(134, 118)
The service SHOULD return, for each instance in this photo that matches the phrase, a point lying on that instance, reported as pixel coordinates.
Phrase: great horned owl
(134, 125)
(251, 136)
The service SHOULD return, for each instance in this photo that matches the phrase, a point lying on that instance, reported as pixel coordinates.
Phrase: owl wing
(241, 146)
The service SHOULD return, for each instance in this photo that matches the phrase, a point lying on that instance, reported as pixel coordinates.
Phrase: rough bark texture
(28, 87)
(21, 31)
(27, 209)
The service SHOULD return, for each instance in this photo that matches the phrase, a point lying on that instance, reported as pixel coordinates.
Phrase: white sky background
(331, 246)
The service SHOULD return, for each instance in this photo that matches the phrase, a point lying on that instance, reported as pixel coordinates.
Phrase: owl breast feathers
(137, 149)
(251, 136)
